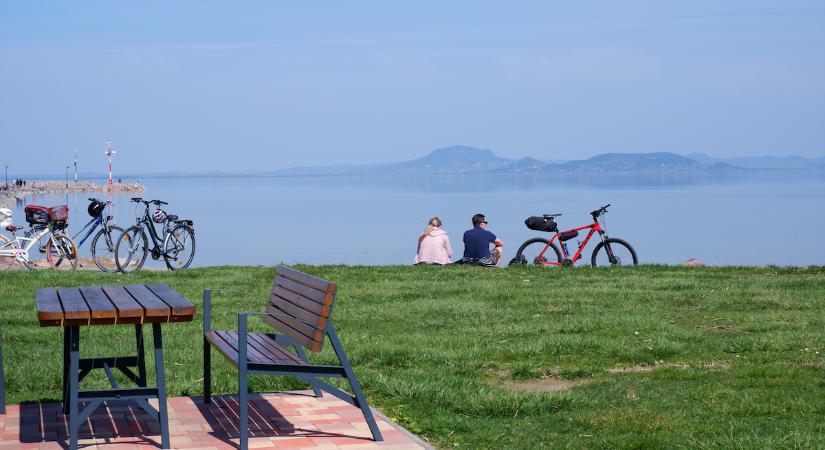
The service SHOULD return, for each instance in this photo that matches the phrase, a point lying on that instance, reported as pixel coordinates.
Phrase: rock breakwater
(8, 197)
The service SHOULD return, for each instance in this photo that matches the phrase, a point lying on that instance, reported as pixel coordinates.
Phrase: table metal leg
(74, 422)
(164, 418)
(2, 380)
(66, 337)
(141, 355)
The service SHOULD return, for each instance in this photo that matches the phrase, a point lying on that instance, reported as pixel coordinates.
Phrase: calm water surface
(753, 218)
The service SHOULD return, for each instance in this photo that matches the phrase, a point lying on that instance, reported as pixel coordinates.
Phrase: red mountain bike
(540, 251)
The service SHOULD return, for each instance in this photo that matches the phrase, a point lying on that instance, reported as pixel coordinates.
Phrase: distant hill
(628, 162)
(455, 159)
(763, 162)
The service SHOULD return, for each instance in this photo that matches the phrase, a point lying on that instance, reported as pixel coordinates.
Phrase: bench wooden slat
(102, 309)
(154, 309)
(181, 308)
(313, 294)
(295, 311)
(306, 279)
(222, 346)
(128, 310)
(252, 354)
(282, 293)
(290, 327)
(49, 312)
(75, 309)
(275, 349)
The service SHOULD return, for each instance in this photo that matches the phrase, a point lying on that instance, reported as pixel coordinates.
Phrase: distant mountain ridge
(462, 159)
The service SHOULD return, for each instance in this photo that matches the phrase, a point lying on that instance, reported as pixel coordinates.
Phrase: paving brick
(285, 420)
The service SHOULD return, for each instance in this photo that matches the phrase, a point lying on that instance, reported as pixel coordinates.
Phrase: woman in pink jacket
(434, 245)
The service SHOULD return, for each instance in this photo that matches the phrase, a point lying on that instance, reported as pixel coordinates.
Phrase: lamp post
(7, 176)
(75, 165)
(109, 152)
(67, 177)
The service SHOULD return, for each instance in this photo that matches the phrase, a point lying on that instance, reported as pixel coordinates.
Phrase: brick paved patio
(284, 420)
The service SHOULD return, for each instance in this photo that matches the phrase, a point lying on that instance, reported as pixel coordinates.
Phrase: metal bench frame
(308, 373)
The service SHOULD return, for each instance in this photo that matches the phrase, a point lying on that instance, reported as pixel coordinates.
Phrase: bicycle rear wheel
(131, 249)
(103, 248)
(538, 251)
(614, 252)
(179, 247)
(10, 262)
(61, 252)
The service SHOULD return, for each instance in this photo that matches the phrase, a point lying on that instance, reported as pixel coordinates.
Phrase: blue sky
(193, 86)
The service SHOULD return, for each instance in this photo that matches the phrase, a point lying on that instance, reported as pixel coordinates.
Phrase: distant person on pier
(434, 245)
(477, 244)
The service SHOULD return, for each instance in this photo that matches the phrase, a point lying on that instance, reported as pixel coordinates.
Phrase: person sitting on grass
(477, 244)
(434, 245)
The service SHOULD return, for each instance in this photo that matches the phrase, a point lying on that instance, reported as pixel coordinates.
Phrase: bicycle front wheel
(103, 248)
(179, 247)
(614, 252)
(61, 252)
(538, 251)
(131, 249)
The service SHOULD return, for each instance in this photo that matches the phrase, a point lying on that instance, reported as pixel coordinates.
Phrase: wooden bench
(299, 309)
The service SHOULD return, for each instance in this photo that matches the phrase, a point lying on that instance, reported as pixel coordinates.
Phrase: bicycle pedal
(566, 262)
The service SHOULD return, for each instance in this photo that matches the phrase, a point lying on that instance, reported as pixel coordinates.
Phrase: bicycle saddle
(550, 216)
(172, 217)
(13, 228)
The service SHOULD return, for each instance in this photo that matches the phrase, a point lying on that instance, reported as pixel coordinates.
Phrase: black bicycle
(103, 243)
(175, 244)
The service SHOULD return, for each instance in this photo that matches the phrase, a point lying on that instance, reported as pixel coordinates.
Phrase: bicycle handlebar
(156, 202)
(599, 211)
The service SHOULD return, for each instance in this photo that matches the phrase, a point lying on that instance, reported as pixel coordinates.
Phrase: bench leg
(360, 400)
(303, 356)
(207, 371)
(243, 388)
(74, 363)
(164, 417)
(2, 380)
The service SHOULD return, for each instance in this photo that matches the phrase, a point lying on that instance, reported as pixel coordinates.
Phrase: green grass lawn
(668, 357)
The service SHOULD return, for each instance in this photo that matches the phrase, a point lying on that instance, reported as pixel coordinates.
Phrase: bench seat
(261, 348)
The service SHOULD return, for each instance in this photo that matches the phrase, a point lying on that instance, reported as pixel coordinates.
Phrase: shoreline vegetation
(523, 357)
(18, 193)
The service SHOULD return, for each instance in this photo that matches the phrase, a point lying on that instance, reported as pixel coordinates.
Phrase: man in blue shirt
(477, 243)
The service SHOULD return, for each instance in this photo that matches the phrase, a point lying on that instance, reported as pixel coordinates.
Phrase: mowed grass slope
(664, 357)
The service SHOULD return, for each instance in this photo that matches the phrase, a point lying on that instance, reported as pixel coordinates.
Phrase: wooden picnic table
(137, 304)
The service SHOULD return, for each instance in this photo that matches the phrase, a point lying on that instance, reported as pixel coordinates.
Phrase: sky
(233, 86)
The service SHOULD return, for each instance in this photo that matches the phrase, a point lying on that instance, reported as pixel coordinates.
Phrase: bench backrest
(301, 305)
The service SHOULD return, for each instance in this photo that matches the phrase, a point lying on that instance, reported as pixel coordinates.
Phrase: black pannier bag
(37, 214)
(541, 224)
(567, 235)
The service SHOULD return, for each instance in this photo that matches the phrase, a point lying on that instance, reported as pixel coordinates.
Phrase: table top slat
(49, 312)
(102, 305)
(154, 309)
(74, 306)
(102, 309)
(128, 310)
(180, 306)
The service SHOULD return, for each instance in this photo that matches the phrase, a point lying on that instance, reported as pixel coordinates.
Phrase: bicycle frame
(96, 221)
(21, 253)
(146, 222)
(594, 227)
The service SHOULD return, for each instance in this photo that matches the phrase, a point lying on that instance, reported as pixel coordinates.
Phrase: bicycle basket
(541, 224)
(59, 213)
(159, 216)
(96, 208)
(567, 235)
(37, 214)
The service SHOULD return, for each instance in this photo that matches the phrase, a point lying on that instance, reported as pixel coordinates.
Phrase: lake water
(750, 218)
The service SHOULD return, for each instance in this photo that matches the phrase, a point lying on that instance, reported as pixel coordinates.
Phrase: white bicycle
(60, 249)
